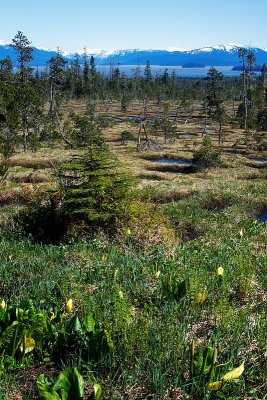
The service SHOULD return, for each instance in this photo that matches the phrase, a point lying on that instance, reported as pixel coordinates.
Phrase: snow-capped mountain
(221, 55)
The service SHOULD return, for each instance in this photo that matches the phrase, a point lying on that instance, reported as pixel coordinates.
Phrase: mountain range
(222, 55)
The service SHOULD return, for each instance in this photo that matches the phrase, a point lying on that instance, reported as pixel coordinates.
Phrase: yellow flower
(115, 274)
(158, 274)
(27, 345)
(216, 385)
(3, 305)
(128, 232)
(52, 316)
(229, 376)
(10, 257)
(104, 258)
(235, 373)
(69, 306)
(220, 271)
(201, 296)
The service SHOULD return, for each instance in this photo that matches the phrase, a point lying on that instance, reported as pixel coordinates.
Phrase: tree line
(25, 93)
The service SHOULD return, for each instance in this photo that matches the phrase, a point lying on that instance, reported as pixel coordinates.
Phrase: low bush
(207, 155)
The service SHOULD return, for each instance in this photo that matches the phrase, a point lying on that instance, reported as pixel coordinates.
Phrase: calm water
(263, 217)
(170, 161)
(259, 159)
(129, 70)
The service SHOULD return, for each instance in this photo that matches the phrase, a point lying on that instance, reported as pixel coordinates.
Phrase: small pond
(134, 118)
(259, 159)
(187, 135)
(263, 217)
(232, 152)
(171, 161)
(112, 118)
(128, 140)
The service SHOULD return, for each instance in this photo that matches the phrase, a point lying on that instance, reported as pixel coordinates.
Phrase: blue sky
(118, 24)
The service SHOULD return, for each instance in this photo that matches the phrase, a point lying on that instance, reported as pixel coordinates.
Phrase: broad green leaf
(69, 384)
(49, 396)
(62, 382)
(12, 337)
(42, 383)
(97, 391)
(77, 386)
(203, 360)
(89, 323)
(74, 326)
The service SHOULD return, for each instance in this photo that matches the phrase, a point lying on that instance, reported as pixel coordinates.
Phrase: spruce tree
(95, 193)
(24, 51)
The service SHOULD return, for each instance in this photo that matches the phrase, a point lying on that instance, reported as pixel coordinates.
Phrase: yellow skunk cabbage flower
(216, 385)
(235, 373)
(201, 296)
(128, 232)
(52, 316)
(3, 305)
(158, 274)
(115, 274)
(27, 345)
(69, 306)
(220, 271)
(104, 258)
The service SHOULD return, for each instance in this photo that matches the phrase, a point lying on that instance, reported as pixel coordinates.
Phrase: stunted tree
(80, 129)
(56, 66)
(24, 51)
(92, 67)
(95, 193)
(76, 76)
(242, 54)
(29, 109)
(214, 100)
(85, 70)
(147, 72)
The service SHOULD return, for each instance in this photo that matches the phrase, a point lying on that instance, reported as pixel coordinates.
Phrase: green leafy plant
(23, 329)
(26, 330)
(202, 361)
(94, 192)
(207, 155)
(68, 385)
(173, 289)
(84, 340)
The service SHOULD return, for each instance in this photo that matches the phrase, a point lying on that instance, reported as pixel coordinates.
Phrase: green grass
(212, 215)
(119, 284)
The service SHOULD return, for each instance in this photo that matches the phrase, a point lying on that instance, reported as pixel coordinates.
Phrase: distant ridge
(221, 55)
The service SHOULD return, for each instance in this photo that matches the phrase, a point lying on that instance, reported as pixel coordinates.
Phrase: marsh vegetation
(133, 235)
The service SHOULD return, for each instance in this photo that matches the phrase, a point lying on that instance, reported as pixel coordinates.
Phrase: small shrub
(126, 135)
(207, 155)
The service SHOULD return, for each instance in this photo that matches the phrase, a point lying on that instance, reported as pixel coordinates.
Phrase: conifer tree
(24, 51)
(95, 193)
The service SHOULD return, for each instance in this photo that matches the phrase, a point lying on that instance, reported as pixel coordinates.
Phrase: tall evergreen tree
(215, 93)
(242, 54)
(147, 72)
(24, 51)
